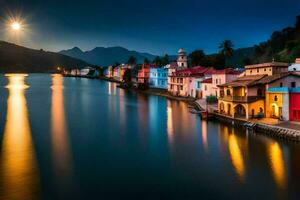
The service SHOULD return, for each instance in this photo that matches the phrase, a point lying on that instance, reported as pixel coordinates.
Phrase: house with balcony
(242, 98)
(159, 77)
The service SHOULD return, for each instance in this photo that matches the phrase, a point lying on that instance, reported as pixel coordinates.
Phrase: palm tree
(226, 48)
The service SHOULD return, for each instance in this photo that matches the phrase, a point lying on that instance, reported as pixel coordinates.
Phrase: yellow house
(242, 98)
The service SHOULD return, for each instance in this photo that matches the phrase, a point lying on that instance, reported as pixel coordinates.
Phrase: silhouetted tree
(247, 61)
(127, 78)
(146, 61)
(157, 61)
(226, 48)
(197, 58)
(165, 60)
(131, 60)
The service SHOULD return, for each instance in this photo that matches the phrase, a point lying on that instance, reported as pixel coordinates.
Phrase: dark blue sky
(157, 26)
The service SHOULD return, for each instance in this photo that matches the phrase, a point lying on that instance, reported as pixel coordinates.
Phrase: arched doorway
(239, 111)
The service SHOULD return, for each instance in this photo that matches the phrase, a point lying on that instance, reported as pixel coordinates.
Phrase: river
(72, 138)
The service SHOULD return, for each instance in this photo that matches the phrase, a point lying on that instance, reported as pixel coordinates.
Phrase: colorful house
(206, 88)
(242, 98)
(159, 77)
(180, 81)
(294, 107)
(143, 76)
(279, 91)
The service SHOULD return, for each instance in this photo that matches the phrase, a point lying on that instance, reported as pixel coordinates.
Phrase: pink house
(220, 77)
(181, 81)
(206, 87)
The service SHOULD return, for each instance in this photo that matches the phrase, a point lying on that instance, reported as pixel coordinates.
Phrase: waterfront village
(266, 93)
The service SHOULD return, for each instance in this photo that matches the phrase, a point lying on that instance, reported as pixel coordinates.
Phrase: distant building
(143, 76)
(159, 77)
(295, 66)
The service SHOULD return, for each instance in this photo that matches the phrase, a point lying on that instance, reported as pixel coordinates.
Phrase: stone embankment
(276, 131)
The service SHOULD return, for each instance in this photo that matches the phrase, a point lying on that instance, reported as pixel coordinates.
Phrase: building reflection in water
(277, 164)
(236, 156)
(60, 141)
(19, 169)
(204, 134)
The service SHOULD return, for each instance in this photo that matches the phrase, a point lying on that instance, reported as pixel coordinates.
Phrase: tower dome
(182, 58)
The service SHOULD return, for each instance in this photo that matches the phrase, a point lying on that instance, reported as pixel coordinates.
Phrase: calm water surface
(68, 138)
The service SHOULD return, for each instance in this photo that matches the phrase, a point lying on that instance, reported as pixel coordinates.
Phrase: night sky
(157, 26)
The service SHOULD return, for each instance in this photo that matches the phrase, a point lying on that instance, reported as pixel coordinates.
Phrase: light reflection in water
(170, 130)
(60, 142)
(204, 134)
(19, 169)
(277, 164)
(236, 156)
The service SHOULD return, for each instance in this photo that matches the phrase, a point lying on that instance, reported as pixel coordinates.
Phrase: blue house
(159, 77)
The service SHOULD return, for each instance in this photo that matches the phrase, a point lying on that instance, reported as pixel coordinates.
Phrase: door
(273, 111)
(280, 111)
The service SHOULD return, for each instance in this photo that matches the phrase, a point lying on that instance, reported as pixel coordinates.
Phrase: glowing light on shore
(16, 26)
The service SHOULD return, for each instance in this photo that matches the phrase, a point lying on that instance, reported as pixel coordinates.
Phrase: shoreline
(257, 128)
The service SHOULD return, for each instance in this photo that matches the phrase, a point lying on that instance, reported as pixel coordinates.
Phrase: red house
(295, 106)
(144, 74)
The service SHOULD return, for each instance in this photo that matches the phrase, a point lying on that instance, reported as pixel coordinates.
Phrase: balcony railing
(241, 98)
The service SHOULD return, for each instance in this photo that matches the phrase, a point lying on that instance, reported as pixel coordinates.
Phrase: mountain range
(103, 56)
(15, 58)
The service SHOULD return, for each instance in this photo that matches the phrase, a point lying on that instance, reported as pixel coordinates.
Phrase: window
(181, 87)
(281, 84)
(257, 70)
(228, 93)
(181, 80)
(198, 84)
(250, 71)
(265, 69)
(293, 84)
(205, 87)
(275, 98)
(216, 81)
(171, 87)
(181, 64)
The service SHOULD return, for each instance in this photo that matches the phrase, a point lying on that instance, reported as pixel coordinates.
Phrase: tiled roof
(270, 64)
(244, 81)
(258, 79)
(195, 71)
(227, 71)
(208, 80)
